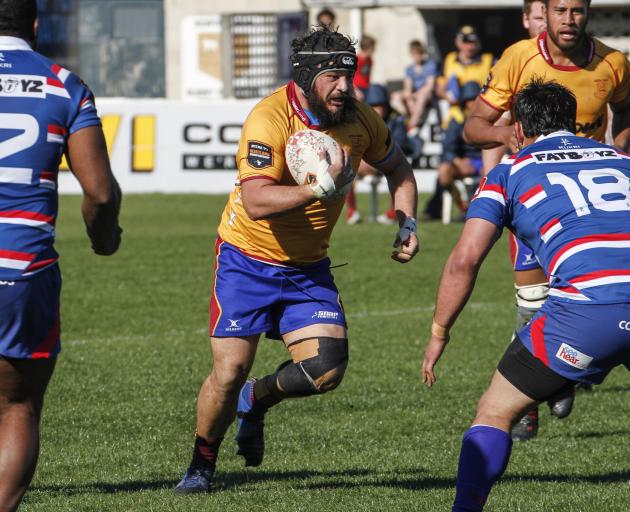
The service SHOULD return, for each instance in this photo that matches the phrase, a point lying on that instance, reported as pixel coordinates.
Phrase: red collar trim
(297, 108)
(544, 51)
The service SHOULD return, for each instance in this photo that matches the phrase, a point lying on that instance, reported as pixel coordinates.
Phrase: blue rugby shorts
(580, 342)
(29, 316)
(523, 258)
(251, 296)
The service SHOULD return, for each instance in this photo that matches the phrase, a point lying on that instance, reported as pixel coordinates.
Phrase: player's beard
(327, 118)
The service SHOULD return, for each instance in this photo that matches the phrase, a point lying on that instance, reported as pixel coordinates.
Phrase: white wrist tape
(531, 296)
(325, 185)
(408, 227)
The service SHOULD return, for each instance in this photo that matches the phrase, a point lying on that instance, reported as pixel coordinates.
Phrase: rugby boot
(197, 479)
(527, 427)
(250, 435)
(561, 405)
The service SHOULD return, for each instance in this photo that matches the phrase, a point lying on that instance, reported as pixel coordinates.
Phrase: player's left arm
(404, 191)
(456, 285)
(621, 124)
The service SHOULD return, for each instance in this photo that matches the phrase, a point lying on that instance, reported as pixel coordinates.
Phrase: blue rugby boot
(197, 479)
(250, 435)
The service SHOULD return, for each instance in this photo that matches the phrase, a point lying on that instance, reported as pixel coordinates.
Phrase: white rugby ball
(302, 157)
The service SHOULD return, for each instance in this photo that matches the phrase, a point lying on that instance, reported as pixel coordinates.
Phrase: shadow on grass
(243, 481)
(411, 479)
(597, 435)
(408, 478)
(603, 478)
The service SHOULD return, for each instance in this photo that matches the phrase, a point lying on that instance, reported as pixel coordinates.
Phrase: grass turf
(119, 418)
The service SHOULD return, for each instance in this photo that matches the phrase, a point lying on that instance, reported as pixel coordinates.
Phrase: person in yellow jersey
(272, 274)
(466, 65)
(598, 76)
(535, 22)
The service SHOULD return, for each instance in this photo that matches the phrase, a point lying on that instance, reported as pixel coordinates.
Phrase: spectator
(361, 80)
(459, 159)
(378, 98)
(326, 18)
(418, 87)
(467, 64)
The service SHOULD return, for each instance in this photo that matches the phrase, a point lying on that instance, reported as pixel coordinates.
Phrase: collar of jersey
(559, 133)
(297, 108)
(544, 51)
(8, 43)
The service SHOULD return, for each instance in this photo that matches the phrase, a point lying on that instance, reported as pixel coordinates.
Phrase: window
(117, 46)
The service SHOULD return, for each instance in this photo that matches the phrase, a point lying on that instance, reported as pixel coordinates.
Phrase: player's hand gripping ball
(302, 156)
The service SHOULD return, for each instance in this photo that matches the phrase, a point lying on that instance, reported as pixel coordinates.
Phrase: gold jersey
(476, 71)
(605, 79)
(302, 235)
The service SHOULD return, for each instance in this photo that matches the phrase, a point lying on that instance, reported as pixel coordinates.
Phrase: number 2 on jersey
(20, 142)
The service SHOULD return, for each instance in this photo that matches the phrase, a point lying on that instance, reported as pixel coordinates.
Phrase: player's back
(571, 203)
(40, 105)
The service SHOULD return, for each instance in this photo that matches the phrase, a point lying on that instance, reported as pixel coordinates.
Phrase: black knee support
(318, 374)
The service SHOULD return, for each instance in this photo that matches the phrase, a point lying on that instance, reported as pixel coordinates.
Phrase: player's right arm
(486, 217)
(264, 198)
(456, 285)
(87, 156)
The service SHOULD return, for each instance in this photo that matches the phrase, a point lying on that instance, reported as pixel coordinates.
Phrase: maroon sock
(351, 200)
(205, 452)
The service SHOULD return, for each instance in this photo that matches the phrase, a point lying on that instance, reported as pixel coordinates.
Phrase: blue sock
(482, 460)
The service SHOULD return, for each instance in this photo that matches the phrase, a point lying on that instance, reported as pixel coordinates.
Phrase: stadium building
(198, 68)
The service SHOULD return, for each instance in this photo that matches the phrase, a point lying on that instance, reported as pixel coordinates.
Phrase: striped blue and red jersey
(567, 198)
(41, 104)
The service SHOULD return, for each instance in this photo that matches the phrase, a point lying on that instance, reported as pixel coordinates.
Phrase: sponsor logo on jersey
(573, 357)
(326, 315)
(22, 86)
(259, 155)
(3, 63)
(575, 155)
(7, 283)
(624, 325)
(589, 127)
(601, 88)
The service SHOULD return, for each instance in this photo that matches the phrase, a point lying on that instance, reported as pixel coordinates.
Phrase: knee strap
(318, 366)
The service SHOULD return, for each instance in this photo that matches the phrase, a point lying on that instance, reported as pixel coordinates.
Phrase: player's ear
(525, 22)
(35, 29)
(519, 133)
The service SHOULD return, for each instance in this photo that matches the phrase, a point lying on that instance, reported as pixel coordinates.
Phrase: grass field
(119, 419)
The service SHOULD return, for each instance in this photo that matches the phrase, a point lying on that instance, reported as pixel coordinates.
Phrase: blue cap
(376, 95)
(469, 91)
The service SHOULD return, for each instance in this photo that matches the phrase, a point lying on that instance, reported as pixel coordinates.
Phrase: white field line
(204, 330)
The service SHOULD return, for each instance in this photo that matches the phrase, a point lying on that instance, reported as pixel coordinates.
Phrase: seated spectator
(418, 87)
(361, 80)
(459, 159)
(326, 18)
(466, 64)
(378, 98)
